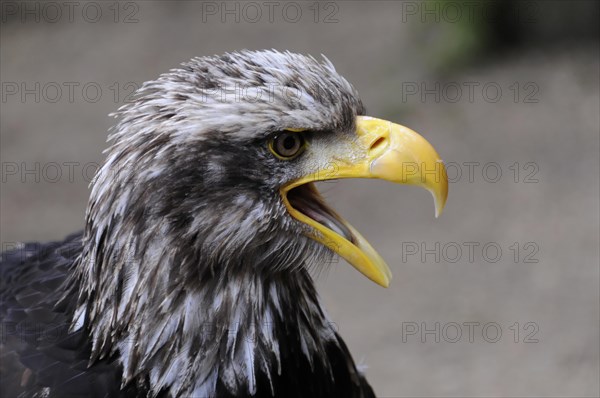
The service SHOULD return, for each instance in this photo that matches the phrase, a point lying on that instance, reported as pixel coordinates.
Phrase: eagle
(193, 274)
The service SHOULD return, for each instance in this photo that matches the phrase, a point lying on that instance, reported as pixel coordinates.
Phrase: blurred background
(499, 296)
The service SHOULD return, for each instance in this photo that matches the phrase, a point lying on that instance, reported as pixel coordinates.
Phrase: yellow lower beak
(382, 150)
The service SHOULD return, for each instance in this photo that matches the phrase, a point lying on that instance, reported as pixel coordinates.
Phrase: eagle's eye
(287, 145)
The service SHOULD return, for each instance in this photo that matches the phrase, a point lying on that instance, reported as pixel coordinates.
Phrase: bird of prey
(192, 276)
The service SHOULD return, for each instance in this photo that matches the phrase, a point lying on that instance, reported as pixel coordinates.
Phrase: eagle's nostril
(378, 145)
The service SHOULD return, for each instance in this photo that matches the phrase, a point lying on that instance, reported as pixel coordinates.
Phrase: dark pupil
(289, 142)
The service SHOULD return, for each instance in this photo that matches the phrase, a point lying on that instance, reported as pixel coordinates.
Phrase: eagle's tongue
(307, 200)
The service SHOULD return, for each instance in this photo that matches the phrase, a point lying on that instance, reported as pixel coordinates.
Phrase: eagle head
(205, 212)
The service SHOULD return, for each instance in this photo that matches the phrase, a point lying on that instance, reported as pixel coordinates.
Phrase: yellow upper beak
(382, 150)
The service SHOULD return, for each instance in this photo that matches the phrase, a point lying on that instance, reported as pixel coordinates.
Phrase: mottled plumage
(190, 278)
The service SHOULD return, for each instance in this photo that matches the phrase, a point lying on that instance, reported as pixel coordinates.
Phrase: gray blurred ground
(550, 211)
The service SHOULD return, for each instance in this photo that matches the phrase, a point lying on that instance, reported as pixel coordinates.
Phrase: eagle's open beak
(382, 150)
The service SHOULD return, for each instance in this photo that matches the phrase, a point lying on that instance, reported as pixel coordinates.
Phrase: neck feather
(230, 330)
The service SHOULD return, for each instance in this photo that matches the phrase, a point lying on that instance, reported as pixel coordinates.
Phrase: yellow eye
(287, 145)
